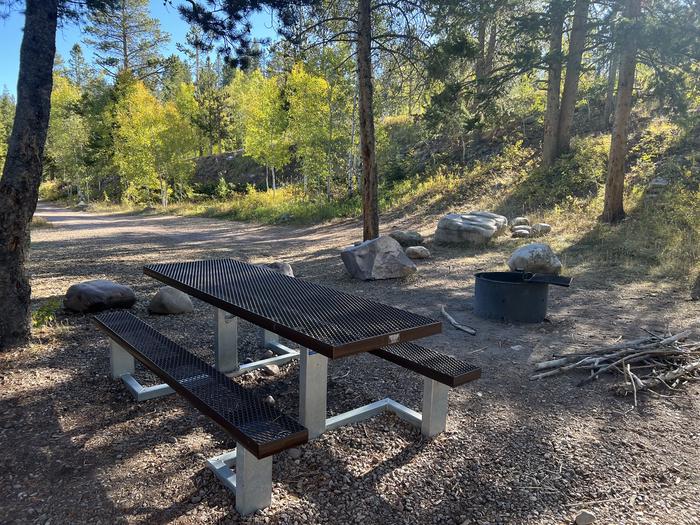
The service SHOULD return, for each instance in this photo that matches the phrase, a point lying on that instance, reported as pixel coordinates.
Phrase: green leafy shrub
(45, 315)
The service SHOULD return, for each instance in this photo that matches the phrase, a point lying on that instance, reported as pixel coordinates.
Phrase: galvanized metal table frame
(249, 478)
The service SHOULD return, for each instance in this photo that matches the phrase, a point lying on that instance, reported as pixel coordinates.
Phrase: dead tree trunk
(551, 115)
(613, 209)
(610, 91)
(19, 186)
(370, 211)
(573, 72)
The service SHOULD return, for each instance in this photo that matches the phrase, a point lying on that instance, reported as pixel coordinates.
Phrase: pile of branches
(666, 360)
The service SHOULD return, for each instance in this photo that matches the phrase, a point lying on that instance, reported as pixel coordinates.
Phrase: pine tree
(127, 38)
(79, 71)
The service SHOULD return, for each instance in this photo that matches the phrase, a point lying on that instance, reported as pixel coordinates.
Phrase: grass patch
(40, 222)
(45, 315)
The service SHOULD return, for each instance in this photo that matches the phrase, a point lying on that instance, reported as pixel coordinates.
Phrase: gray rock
(501, 220)
(168, 300)
(472, 228)
(268, 353)
(100, 294)
(281, 267)
(82, 206)
(407, 238)
(541, 228)
(585, 517)
(247, 360)
(380, 258)
(269, 400)
(520, 233)
(658, 182)
(535, 258)
(519, 221)
(294, 453)
(417, 252)
(270, 370)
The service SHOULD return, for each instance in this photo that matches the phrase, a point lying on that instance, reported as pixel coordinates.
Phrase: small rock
(658, 182)
(294, 453)
(268, 354)
(195, 499)
(541, 228)
(535, 258)
(407, 238)
(280, 267)
(381, 258)
(82, 206)
(247, 360)
(417, 252)
(521, 232)
(169, 300)
(270, 370)
(585, 517)
(99, 294)
(519, 221)
(269, 400)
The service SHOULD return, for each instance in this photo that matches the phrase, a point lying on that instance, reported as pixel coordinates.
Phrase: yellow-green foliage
(46, 314)
(50, 190)
(40, 222)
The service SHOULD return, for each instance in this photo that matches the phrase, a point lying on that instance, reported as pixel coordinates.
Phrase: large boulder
(281, 267)
(407, 238)
(169, 300)
(535, 258)
(100, 294)
(470, 228)
(381, 258)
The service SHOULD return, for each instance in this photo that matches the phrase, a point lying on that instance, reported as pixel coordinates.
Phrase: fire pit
(519, 297)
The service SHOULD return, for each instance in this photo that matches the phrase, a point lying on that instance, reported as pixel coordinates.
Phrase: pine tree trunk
(573, 72)
(370, 211)
(551, 115)
(351, 153)
(19, 186)
(613, 209)
(610, 91)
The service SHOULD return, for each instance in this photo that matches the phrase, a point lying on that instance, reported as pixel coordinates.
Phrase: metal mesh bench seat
(440, 367)
(254, 424)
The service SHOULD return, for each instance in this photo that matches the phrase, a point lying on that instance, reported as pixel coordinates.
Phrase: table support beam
(313, 370)
(226, 346)
(251, 482)
(434, 407)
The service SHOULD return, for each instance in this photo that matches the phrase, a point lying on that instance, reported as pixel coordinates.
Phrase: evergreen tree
(126, 38)
(79, 71)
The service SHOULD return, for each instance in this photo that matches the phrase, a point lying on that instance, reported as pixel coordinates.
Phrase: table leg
(253, 481)
(226, 348)
(121, 362)
(434, 418)
(313, 379)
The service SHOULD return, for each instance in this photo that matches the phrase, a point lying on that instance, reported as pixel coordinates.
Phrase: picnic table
(326, 323)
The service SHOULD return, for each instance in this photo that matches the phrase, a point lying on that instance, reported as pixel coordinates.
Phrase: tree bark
(577, 41)
(551, 115)
(370, 211)
(19, 186)
(610, 91)
(613, 209)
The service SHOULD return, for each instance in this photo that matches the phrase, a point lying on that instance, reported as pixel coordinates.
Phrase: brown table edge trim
(451, 381)
(331, 352)
(259, 451)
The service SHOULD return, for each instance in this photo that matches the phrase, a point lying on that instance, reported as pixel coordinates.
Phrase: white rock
(169, 300)
(269, 400)
(541, 228)
(99, 294)
(417, 252)
(519, 221)
(381, 258)
(472, 228)
(281, 267)
(294, 453)
(535, 258)
(270, 370)
(407, 238)
(585, 517)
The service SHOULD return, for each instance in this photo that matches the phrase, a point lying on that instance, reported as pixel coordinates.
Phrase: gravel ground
(74, 448)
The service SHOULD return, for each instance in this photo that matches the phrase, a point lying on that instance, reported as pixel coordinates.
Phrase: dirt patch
(76, 448)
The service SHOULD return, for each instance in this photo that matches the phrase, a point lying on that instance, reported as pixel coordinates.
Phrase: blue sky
(69, 34)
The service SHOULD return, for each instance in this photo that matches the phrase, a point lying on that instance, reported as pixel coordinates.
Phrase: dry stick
(605, 349)
(624, 359)
(671, 375)
(464, 328)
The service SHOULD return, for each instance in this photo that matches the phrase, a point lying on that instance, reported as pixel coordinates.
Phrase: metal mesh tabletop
(322, 319)
(258, 426)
